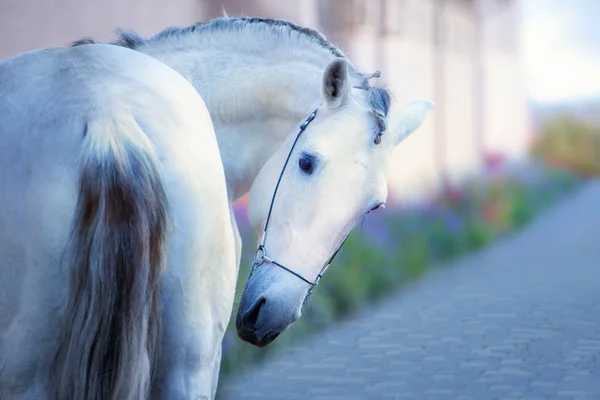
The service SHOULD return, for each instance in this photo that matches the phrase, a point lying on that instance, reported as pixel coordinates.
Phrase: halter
(261, 256)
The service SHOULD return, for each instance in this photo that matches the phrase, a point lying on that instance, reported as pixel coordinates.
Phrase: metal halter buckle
(260, 257)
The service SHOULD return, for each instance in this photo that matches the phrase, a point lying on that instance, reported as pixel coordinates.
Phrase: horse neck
(254, 102)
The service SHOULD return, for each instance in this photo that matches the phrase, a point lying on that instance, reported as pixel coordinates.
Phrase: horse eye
(306, 163)
(378, 206)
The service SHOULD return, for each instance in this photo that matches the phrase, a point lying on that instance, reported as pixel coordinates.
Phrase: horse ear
(335, 83)
(409, 118)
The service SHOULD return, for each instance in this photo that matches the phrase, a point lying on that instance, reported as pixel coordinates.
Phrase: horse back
(48, 101)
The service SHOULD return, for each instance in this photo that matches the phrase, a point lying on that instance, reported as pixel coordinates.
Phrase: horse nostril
(251, 316)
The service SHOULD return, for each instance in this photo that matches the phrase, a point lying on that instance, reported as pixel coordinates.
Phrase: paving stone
(519, 320)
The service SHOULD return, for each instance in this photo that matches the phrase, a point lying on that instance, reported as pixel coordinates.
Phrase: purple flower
(241, 216)
(453, 222)
(429, 209)
(227, 343)
(375, 229)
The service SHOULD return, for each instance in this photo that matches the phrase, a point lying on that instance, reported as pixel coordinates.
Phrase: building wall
(461, 54)
(27, 24)
(464, 56)
(507, 114)
(427, 51)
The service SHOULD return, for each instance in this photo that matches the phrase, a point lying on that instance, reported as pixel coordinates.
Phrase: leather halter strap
(261, 256)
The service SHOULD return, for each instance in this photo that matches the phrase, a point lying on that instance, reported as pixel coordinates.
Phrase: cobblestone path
(520, 320)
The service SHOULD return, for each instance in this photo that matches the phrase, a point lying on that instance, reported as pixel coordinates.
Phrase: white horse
(261, 79)
(113, 208)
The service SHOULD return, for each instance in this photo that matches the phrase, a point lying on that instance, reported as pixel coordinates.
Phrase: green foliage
(477, 235)
(568, 142)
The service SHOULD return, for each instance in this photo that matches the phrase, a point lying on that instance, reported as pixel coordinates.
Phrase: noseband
(261, 256)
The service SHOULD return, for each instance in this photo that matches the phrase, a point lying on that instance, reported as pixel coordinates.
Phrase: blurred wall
(32, 24)
(463, 54)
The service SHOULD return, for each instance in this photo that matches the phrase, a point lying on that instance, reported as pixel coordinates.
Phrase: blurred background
(465, 55)
(515, 128)
(495, 68)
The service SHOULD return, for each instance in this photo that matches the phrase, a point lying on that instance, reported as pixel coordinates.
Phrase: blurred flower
(453, 222)
(375, 229)
(491, 213)
(429, 209)
(227, 344)
(241, 215)
(454, 195)
(494, 161)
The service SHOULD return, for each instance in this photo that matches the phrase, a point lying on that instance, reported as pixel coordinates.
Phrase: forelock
(379, 101)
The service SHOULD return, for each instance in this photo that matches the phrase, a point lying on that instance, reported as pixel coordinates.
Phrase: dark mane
(379, 98)
(380, 101)
(132, 40)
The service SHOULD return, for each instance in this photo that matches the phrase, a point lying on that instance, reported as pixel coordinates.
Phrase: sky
(561, 49)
